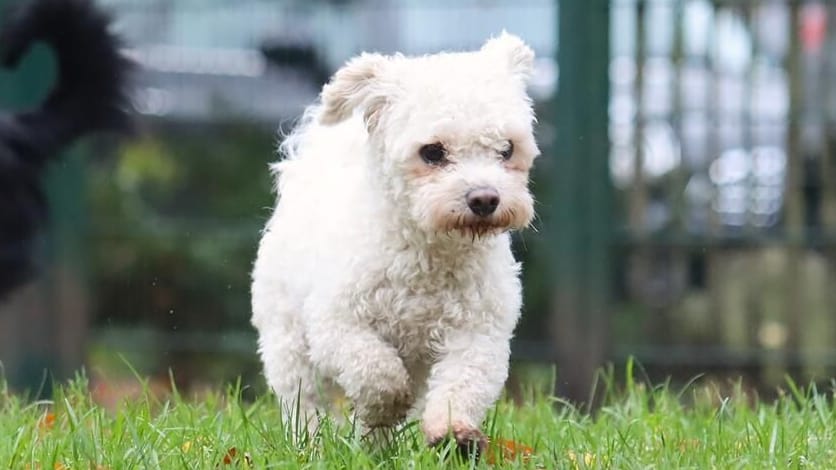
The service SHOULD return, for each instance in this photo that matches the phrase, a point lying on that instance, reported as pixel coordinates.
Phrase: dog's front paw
(388, 408)
(385, 400)
(469, 439)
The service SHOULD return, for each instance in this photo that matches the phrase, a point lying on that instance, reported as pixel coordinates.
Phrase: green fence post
(69, 306)
(581, 213)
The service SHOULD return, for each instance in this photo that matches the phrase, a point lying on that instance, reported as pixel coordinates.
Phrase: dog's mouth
(475, 227)
(478, 231)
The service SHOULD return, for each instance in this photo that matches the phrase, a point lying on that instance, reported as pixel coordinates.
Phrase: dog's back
(90, 95)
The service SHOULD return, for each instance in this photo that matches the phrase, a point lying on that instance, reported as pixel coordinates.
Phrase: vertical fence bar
(678, 61)
(713, 258)
(747, 320)
(638, 190)
(639, 258)
(581, 213)
(750, 15)
(794, 204)
(679, 251)
(827, 175)
(827, 169)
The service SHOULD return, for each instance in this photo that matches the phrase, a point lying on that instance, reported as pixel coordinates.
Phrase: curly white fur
(373, 273)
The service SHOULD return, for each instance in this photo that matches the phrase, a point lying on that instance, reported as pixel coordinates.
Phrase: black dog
(90, 95)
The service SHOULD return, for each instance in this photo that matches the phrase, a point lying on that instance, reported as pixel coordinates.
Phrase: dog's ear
(519, 56)
(356, 86)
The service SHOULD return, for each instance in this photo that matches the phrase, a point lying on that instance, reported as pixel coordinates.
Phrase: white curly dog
(386, 267)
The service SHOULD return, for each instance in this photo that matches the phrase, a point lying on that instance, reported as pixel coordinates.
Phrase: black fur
(90, 95)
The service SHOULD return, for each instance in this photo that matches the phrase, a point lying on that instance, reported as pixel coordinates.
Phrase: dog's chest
(419, 299)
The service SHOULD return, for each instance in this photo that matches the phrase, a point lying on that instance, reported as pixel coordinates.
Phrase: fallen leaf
(506, 450)
(230, 454)
(47, 422)
(187, 446)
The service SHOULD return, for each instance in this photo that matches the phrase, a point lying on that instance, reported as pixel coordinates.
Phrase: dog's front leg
(463, 384)
(367, 368)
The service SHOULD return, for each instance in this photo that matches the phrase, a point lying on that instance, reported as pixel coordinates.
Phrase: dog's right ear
(518, 56)
(356, 86)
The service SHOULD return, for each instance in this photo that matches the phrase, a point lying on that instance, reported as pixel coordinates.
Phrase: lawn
(638, 426)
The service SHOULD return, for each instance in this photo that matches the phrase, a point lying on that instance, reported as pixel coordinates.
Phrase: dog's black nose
(482, 201)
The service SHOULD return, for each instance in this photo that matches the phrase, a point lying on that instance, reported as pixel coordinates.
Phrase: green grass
(637, 427)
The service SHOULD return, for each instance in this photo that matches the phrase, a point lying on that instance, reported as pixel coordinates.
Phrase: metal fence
(721, 118)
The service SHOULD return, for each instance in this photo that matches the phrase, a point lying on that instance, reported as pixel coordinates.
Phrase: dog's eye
(506, 154)
(433, 154)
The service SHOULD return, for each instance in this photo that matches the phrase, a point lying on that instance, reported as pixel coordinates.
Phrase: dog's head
(452, 132)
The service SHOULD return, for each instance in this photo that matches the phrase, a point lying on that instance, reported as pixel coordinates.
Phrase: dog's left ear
(519, 56)
(356, 86)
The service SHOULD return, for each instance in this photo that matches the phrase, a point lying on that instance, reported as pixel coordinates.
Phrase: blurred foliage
(176, 220)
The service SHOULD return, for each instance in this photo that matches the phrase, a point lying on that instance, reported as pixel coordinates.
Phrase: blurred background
(686, 192)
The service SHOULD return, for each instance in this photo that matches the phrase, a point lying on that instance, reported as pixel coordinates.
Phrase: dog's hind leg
(290, 374)
(284, 353)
